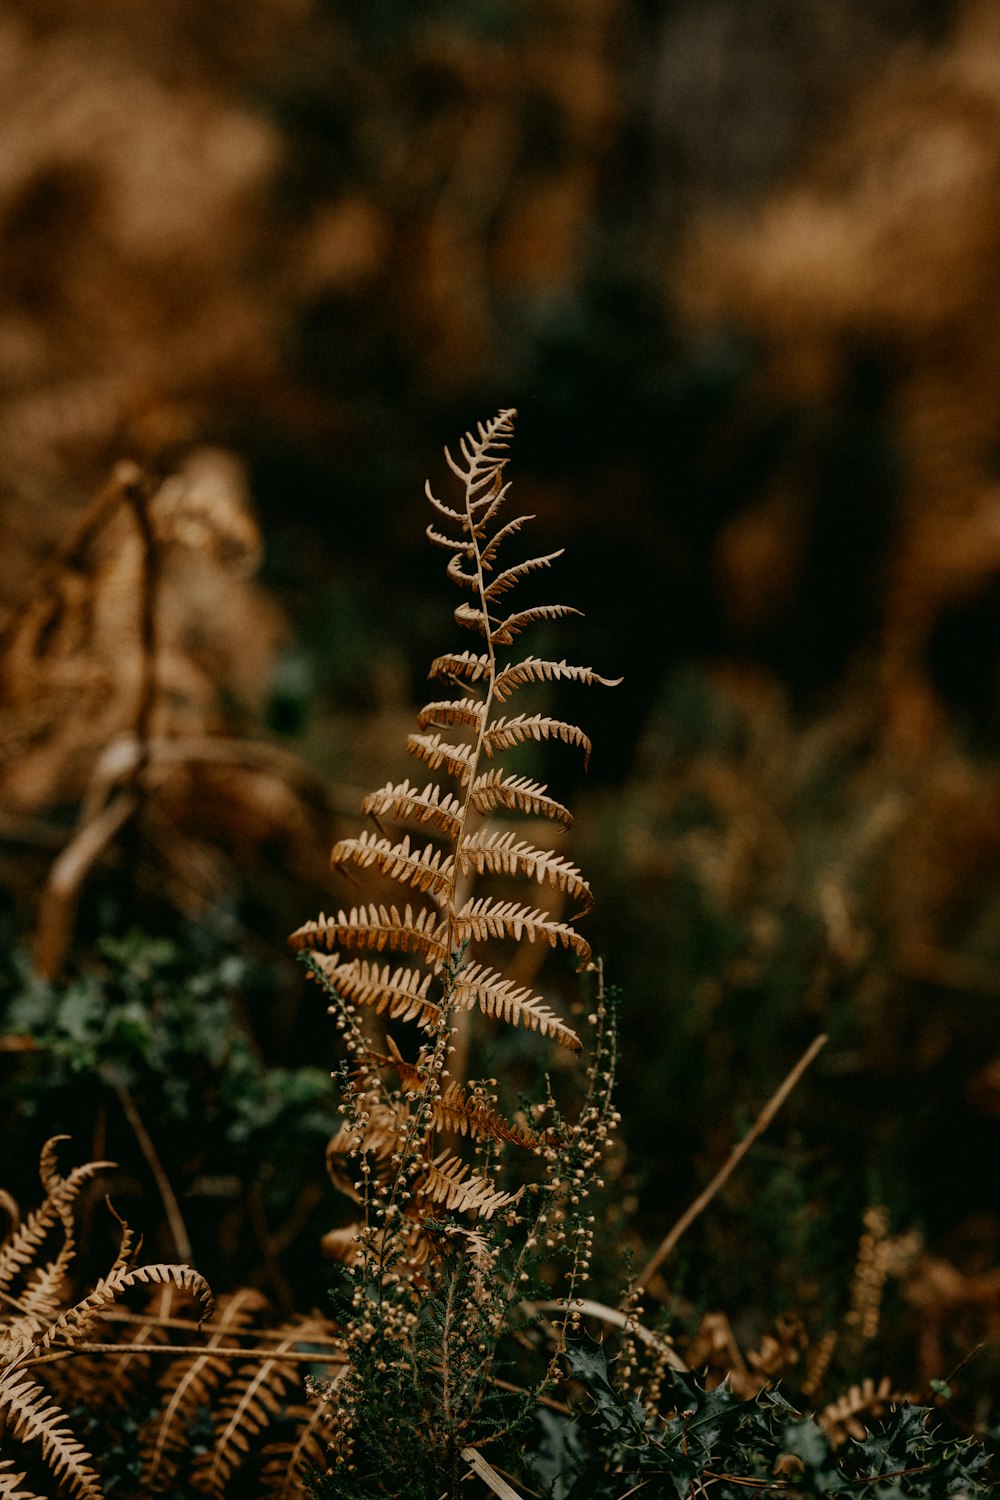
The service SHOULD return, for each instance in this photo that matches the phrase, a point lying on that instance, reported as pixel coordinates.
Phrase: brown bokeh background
(736, 265)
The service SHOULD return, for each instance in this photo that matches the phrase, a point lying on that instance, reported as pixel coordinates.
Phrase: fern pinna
(449, 835)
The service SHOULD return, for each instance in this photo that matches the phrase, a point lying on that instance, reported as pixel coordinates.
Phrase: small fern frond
(21, 1247)
(484, 456)
(255, 1396)
(402, 803)
(290, 1466)
(482, 987)
(344, 1244)
(517, 794)
(504, 633)
(841, 1419)
(536, 669)
(401, 992)
(451, 1184)
(11, 1481)
(458, 575)
(457, 759)
(189, 1384)
(463, 1114)
(511, 577)
(488, 553)
(447, 512)
(485, 918)
(465, 711)
(428, 870)
(506, 734)
(48, 1164)
(32, 1417)
(376, 927)
(75, 1323)
(503, 854)
(460, 666)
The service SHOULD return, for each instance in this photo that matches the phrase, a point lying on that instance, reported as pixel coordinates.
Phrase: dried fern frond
(536, 669)
(190, 1383)
(21, 1247)
(35, 1323)
(478, 986)
(427, 869)
(450, 1183)
(254, 1397)
(494, 790)
(403, 803)
(484, 918)
(33, 1417)
(467, 739)
(505, 854)
(287, 1472)
(400, 992)
(376, 927)
(504, 734)
(11, 1481)
(464, 1114)
(841, 1419)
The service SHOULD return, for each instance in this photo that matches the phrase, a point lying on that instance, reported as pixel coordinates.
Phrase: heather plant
(460, 1347)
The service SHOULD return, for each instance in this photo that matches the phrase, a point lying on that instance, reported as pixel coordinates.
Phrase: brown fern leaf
(501, 998)
(511, 577)
(463, 1114)
(125, 1370)
(841, 1419)
(446, 511)
(75, 1323)
(440, 540)
(488, 552)
(11, 1481)
(48, 1164)
(344, 1244)
(31, 1416)
(287, 1472)
(505, 734)
(457, 573)
(462, 666)
(189, 1383)
(376, 927)
(458, 736)
(255, 1395)
(451, 1184)
(383, 1133)
(485, 918)
(517, 794)
(402, 992)
(428, 870)
(458, 760)
(403, 803)
(464, 711)
(484, 458)
(503, 854)
(44, 1290)
(21, 1247)
(537, 669)
(505, 632)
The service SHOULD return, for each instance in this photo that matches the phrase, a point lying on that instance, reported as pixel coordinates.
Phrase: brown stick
(70, 869)
(215, 1351)
(756, 1130)
(135, 493)
(178, 1229)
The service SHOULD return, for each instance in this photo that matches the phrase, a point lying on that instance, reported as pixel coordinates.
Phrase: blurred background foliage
(736, 266)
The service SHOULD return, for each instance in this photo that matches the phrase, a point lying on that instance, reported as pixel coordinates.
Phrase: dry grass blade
(756, 1130)
(489, 1475)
